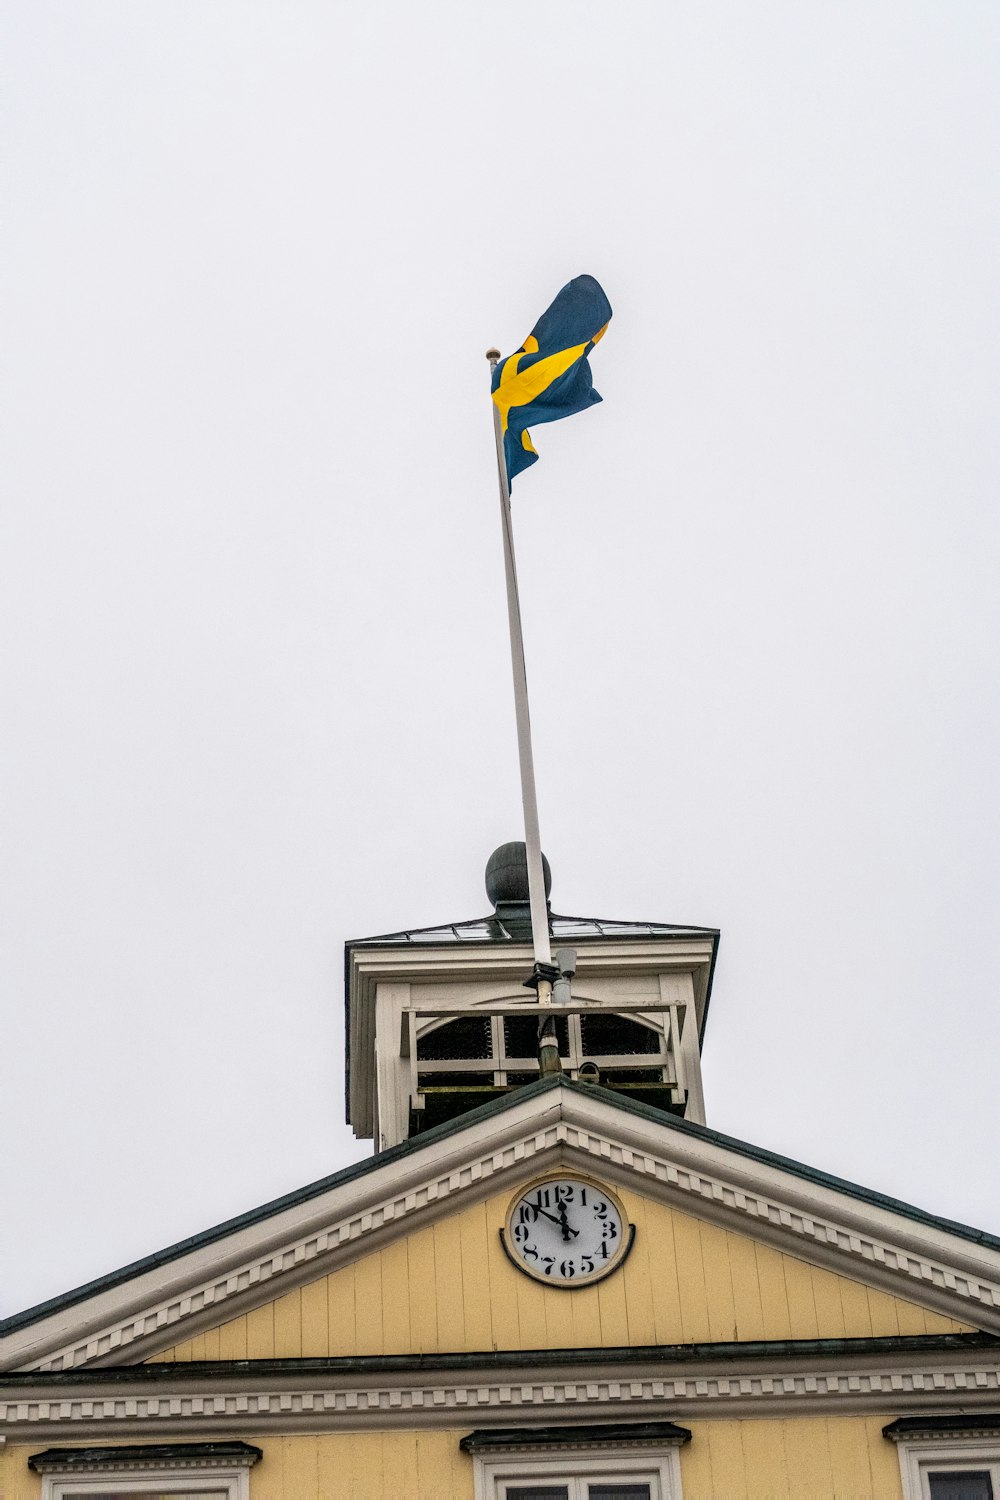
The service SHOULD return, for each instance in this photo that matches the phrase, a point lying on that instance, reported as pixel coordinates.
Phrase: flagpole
(532, 838)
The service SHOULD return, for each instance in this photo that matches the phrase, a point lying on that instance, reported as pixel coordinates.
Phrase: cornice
(595, 1436)
(149, 1457)
(198, 1403)
(420, 964)
(967, 1431)
(557, 1127)
(943, 1427)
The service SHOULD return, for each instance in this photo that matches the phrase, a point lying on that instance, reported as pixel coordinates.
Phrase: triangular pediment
(448, 1286)
(402, 1255)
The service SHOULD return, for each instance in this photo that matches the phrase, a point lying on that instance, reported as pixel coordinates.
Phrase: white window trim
(922, 1456)
(659, 1466)
(231, 1481)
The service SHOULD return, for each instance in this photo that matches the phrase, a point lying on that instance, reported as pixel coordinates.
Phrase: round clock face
(567, 1232)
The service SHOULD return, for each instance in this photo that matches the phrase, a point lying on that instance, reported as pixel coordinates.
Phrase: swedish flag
(549, 376)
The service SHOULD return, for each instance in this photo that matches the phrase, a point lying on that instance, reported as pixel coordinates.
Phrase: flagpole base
(549, 1061)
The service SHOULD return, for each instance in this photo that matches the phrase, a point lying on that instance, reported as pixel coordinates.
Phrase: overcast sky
(256, 687)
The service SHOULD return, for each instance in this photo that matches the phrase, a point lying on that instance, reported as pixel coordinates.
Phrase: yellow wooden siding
(802, 1458)
(449, 1286)
(345, 1466)
(350, 1466)
(17, 1481)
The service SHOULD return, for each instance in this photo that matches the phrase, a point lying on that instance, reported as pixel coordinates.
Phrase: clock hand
(567, 1231)
(545, 1213)
(561, 1220)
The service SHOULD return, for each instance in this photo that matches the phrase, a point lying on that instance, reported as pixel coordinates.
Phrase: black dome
(507, 874)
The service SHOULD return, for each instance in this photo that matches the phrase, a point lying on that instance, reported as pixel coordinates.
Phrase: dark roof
(499, 927)
(94, 1458)
(486, 1439)
(454, 1127)
(951, 1424)
(657, 1355)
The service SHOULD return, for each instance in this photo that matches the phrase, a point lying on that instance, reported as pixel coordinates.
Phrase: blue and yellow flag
(549, 376)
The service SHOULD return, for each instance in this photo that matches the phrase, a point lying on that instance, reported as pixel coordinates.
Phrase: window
(582, 1489)
(961, 1484)
(628, 1461)
(180, 1471)
(953, 1457)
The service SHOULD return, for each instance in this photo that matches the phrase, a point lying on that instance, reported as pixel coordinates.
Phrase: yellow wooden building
(559, 1287)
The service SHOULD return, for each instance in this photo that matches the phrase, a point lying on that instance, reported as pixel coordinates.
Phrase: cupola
(439, 1019)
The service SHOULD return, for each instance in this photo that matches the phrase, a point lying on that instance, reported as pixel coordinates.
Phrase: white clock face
(567, 1232)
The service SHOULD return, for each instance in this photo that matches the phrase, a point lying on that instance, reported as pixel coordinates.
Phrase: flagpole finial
(493, 355)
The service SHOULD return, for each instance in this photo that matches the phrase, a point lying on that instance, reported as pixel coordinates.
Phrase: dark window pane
(145, 1495)
(520, 1036)
(468, 1037)
(969, 1484)
(605, 1491)
(617, 1077)
(477, 1080)
(615, 1036)
(520, 1039)
(537, 1492)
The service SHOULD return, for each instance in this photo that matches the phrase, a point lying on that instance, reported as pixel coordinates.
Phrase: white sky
(255, 683)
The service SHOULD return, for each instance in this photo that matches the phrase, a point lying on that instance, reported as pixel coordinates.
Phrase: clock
(567, 1231)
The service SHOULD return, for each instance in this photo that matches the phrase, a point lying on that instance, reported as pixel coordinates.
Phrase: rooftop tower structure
(439, 1019)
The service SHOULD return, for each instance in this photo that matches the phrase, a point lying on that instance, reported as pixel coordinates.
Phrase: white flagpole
(532, 839)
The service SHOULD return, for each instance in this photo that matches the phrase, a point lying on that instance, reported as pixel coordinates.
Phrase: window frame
(495, 1067)
(658, 1466)
(219, 1484)
(220, 1470)
(921, 1457)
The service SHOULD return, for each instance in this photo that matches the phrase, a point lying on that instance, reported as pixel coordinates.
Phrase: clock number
(610, 1232)
(521, 1233)
(548, 1261)
(601, 1210)
(602, 1250)
(586, 1265)
(567, 1270)
(564, 1194)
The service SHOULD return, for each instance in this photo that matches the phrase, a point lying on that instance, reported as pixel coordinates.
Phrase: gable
(394, 1246)
(449, 1287)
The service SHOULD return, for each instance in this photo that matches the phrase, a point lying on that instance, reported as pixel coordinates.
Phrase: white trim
(553, 1130)
(658, 1465)
(492, 970)
(233, 1484)
(131, 1474)
(243, 1403)
(919, 1457)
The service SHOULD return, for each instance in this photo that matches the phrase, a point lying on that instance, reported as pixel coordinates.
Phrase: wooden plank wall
(802, 1458)
(449, 1286)
(836, 1457)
